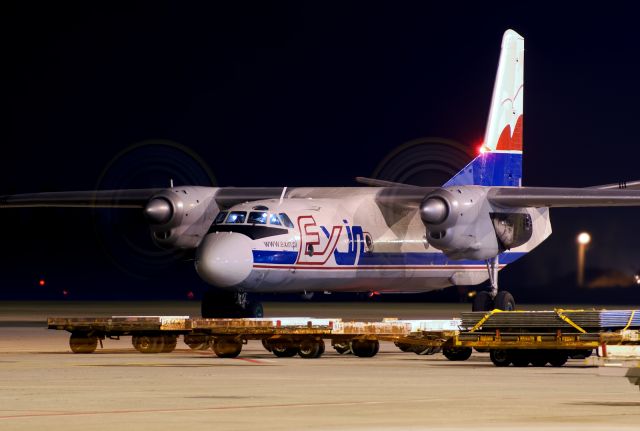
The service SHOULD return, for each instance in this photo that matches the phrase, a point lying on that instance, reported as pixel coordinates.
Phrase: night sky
(300, 93)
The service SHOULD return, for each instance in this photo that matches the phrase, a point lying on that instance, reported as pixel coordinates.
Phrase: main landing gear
(229, 304)
(487, 301)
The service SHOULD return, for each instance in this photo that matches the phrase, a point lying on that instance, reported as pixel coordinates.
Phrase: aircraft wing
(133, 198)
(631, 185)
(563, 197)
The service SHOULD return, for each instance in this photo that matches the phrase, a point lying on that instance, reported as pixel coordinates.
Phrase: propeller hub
(434, 210)
(158, 211)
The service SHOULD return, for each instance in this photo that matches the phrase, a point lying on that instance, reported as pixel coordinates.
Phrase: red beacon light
(41, 282)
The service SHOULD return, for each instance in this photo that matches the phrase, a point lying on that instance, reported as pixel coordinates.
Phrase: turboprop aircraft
(384, 237)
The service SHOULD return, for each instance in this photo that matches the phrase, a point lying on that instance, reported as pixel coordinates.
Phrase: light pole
(583, 240)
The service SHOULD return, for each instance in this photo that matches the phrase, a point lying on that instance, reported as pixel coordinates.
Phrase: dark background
(300, 93)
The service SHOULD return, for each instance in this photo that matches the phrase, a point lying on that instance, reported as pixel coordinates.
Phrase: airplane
(383, 237)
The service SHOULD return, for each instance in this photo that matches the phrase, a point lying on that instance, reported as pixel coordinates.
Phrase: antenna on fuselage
(284, 190)
(171, 182)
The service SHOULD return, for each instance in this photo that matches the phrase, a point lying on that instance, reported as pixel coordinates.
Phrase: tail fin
(500, 159)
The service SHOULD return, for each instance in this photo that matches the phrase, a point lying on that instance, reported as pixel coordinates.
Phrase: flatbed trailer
(507, 343)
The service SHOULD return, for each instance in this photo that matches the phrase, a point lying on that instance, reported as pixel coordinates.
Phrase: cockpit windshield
(274, 220)
(286, 220)
(220, 218)
(237, 217)
(254, 218)
(257, 218)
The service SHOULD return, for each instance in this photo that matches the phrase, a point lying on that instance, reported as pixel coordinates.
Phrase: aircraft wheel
(170, 342)
(81, 342)
(227, 347)
(504, 301)
(148, 343)
(255, 309)
(482, 302)
(311, 349)
(342, 348)
(500, 357)
(365, 348)
(457, 353)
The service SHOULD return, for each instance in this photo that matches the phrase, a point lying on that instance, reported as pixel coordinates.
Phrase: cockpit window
(237, 217)
(274, 220)
(220, 218)
(286, 220)
(257, 218)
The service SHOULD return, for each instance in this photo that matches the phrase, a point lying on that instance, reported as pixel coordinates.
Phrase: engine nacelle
(461, 222)
(180, 217)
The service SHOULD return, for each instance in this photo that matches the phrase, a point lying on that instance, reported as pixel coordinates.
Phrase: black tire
(404, 347)
(500, 357)
(81, 342)
(504, 301)
(558, 358)
(197, 341)
(227, 347)
(266, 344)
(170, 342)
(521, 358)
(457, 353)
(342, 348)
(148, 343)
(539, 358)
(284, 351)
(580, 354)
(255, 310)
(482, 302)
(365, 348)
(311, 349)
(217, 303)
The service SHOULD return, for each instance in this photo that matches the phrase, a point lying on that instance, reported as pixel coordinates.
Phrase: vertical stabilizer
(500, 159)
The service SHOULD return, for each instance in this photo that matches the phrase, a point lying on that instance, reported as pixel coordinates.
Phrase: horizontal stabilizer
(539, 197)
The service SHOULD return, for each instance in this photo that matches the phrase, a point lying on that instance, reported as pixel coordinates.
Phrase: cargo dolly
(519, 338)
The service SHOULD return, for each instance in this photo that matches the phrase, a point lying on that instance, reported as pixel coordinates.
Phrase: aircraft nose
(224, 259)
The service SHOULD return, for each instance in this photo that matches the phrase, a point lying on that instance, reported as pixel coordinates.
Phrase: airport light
(583, 240)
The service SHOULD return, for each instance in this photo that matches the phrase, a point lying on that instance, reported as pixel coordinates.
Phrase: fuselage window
(286, 220)
(257, 218)
(220, 218)
(237, 217)
(274, 220)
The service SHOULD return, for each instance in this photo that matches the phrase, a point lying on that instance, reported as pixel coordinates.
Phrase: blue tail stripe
(491, 169)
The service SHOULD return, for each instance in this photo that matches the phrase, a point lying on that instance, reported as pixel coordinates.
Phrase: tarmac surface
(45, 386)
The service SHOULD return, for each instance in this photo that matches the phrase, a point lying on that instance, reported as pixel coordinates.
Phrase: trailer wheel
(404, 347)
(342, 348)
(284, 351)
(539, 358)
(310, 349)
(520, 358)
(148, 343)
(81, 342)
(227, 347)
(500, 358)
(457, 353)
(558, 359)
(197, 341)
(170, 342)
(365, 348)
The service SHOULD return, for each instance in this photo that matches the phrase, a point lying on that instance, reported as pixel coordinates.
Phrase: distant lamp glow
(41, 283)
(637, 277)
(584, 238)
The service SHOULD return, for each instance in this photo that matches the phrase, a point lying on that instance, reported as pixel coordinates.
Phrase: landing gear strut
(225, 304)
(501, 300)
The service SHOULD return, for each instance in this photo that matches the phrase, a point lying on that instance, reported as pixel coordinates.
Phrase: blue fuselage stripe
(382, 259)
